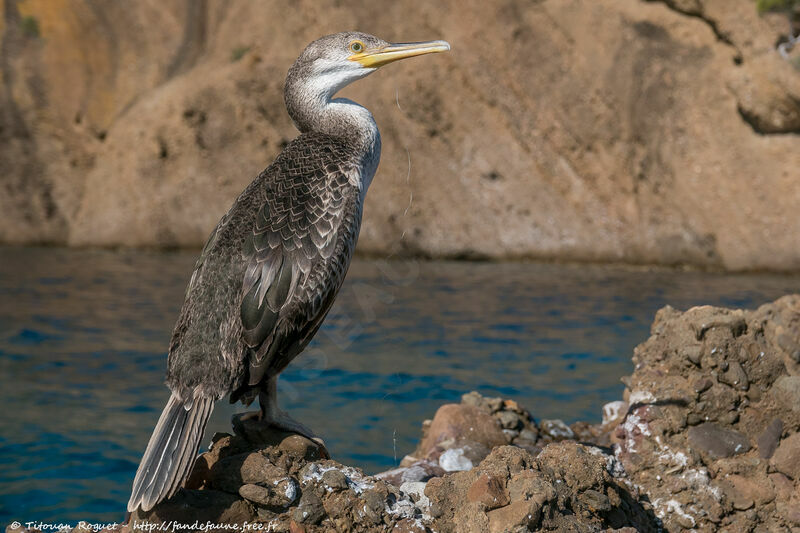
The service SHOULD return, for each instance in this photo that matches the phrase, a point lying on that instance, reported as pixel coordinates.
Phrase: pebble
(693, 419)
(738, 498)
(734, 322)
(509, 420)
(735, 376)
(495, 404)
(786, 458)
(729, 418)
(556, 429)
(489, 491)
(374, 502)
(783, 485)
(472, 398)
(768, 440)
(510, 434)
(511, 405)
(693, 353)
(789, 344)
(453, 460)
(596, 501)
(255, 493)
(718, 442)
(309, 510)
(786, 391)
(613, 411)
(229, 473)
(416, 489)
(335, 479)
(754, 394)
(702, 385)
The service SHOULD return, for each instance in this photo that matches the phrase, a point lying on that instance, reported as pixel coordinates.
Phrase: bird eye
(356, 47)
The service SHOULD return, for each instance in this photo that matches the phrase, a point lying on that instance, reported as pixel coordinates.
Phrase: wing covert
(308, 212)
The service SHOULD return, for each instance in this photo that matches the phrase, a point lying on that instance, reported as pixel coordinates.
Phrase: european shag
(273, 265)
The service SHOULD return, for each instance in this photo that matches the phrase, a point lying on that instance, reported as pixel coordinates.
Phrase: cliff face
(619, 130)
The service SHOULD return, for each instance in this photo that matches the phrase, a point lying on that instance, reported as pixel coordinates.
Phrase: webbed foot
(257, 425)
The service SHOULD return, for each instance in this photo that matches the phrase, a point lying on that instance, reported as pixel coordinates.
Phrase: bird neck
(313, 109)
(319, 112)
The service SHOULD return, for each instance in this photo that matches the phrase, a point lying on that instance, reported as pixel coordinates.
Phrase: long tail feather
(170, 453)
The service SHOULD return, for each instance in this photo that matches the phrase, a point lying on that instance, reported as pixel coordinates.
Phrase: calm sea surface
(83, 337)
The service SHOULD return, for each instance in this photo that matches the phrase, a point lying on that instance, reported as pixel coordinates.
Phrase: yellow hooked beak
(381, 56)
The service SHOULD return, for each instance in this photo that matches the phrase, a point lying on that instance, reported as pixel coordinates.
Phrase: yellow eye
(356, 47)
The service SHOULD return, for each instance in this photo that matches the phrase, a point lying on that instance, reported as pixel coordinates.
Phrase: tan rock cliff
(623, 130)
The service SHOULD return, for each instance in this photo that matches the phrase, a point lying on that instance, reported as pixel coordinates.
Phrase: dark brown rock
(707, 477)
(335, 479)
(531, 485)
(460, 425)
(787, 457)
(556, 429)
(509, 420)
(277, 494)
(374, 503)
(702, 384)
(768, 440)
(740, 500)
(489, 491)
(294, 527)
(573, 464)
(784, 488)
(522, 514)
(596, 501)
(717, 442)
(786, 391)
(735, 377)
(790, 511)
(232, 472)
(297, 446)
(256, 494)
(309, 510)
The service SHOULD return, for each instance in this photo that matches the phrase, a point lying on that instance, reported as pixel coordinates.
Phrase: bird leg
(271, 415)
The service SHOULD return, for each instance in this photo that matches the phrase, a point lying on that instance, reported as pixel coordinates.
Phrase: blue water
(83, 337)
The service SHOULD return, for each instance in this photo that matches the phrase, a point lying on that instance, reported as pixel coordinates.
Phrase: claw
(251, 425)
(258, 427)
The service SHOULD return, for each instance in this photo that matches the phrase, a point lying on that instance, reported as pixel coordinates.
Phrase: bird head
(334, 61)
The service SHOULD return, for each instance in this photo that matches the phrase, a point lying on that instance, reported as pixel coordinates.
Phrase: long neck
(313, 109)
(317, 111)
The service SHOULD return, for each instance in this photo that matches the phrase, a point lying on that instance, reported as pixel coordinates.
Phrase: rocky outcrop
(280, 483)
(712, 428)
(624, 130)
(707, 438)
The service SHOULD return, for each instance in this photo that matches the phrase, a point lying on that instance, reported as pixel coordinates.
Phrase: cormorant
(273, 265)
